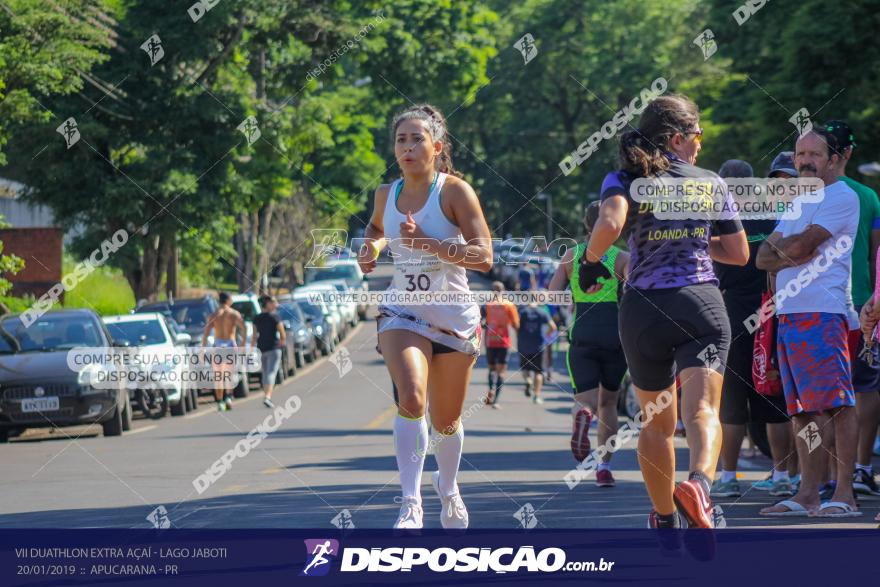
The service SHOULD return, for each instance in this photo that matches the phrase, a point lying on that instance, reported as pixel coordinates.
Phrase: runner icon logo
(153, 48)
(250, 129)
(69, 130)
(319, 553)
(526, 516)
(159, 518)
(706, 42)
(710, 357)
(801, 120)
(526, 46)
(343, 520)
(342, 360)
(810, 435)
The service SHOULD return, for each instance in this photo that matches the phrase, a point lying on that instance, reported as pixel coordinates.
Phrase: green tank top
(608, 293)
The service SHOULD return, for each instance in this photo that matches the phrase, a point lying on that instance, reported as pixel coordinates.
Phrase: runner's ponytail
(643, 151)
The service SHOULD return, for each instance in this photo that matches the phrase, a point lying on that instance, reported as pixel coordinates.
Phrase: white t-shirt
(823, 284)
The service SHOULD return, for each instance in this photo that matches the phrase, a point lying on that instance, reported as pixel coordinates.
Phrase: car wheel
(126, 417)
(325, 347)
(4, 435)
(300, 359)
(113, 426)
(179, 409)
(279, 376)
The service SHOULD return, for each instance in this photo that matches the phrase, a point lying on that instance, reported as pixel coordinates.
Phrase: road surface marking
(380, 419)
(139, 430)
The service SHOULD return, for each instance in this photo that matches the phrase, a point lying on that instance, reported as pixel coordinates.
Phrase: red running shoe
(604, 478)
(692, 501)
(580, 441)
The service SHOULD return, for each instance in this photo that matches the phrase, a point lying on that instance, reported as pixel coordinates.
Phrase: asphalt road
(333, 459)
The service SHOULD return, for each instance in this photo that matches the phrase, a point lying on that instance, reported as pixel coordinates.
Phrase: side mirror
(309, 319)
(286, 324)
(182, 338)
(121, 342)
(366, 278)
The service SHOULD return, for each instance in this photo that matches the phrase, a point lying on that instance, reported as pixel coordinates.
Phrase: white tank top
(415, 271)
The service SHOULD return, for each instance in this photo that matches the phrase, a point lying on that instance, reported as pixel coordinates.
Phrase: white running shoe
(453, 514)
(410, 517)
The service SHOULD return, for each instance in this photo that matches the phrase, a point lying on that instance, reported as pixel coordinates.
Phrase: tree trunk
(172, 284)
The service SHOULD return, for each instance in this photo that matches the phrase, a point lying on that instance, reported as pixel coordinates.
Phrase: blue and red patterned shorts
(814, 361)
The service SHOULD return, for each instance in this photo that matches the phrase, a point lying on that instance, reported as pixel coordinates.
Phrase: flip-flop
(795, 510)
(848, 510)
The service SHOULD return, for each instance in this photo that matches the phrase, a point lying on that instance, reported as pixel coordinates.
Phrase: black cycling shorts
(496, 355)
(595, 356)
(664, 330)
(591, 365)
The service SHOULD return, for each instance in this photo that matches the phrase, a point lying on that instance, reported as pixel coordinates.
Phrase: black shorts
(595, 355)
(740, 403)
(532, 362)
(440, 349)
(496, 355)
(667, 329)
(865, 374)
(591, 365)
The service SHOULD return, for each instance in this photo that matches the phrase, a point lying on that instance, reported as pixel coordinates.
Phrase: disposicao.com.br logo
(445, 559)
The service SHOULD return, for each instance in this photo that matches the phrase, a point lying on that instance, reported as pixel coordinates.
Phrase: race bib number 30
(424, 276)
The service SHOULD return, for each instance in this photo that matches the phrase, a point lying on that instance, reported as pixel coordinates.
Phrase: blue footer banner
(371, 557)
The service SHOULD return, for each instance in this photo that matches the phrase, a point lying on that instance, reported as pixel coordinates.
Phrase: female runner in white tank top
(435, 229)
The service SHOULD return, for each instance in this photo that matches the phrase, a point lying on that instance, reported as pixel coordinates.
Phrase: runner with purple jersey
(672, 318)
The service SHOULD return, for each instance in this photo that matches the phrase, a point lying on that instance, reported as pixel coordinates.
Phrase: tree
(45, 52)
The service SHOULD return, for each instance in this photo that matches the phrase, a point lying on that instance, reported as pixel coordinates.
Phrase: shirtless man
(226, 323)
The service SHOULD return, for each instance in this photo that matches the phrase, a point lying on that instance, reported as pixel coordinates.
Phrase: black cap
(842, 132)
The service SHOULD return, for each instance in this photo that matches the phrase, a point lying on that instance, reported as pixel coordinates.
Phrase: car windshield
(51, 333)
(311, 310)
(186, 313)
(246, 309)
(341, 271)
(290, 313)
(138, 333)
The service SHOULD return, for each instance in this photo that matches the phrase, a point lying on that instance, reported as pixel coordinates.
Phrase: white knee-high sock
(410, 442)
(448, 455)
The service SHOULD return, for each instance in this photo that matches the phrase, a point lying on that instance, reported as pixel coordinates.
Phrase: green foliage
(42, 50)
(105, 291)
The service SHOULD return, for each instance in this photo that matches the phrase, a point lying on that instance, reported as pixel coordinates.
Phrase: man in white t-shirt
(811, 255)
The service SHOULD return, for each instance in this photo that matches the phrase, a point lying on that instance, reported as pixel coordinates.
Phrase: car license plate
(40, 404)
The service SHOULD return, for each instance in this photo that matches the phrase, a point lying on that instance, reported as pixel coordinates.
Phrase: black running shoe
(669, 534)
(863, 482)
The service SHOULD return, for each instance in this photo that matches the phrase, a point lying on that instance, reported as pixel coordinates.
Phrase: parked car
(334, 315)
(310, 302)
(190, 313)
(248, 306)
(315, 316)
(301, 331)
(346, 312)
(345, 269)
(39, 389)
(350, 308)
(151, 333)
